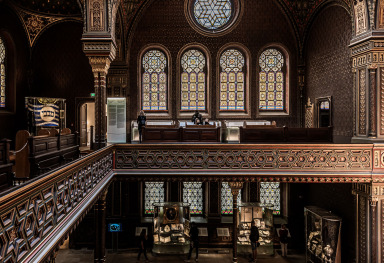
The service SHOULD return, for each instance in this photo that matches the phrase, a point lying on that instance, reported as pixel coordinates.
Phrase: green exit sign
(93, 95)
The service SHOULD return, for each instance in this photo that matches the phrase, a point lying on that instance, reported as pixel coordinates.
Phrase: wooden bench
(266, 133)
(6, 174)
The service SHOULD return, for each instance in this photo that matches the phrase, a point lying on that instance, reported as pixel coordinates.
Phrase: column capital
(99, 64)
(235, 187)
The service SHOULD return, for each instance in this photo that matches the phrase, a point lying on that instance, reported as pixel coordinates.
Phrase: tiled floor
(86, 256)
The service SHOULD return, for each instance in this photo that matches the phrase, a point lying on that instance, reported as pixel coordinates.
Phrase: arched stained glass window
(227, 199)
(193, 80)
(232, 80)
(271, 81)
(193, 195)
(2, 74)
(212, 14)
(154, 81)
(270, 196)
(154, 193)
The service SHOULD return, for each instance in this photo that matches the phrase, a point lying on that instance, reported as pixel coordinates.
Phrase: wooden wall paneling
(214, 201)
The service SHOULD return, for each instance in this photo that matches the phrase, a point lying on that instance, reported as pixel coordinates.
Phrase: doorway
(87, 119)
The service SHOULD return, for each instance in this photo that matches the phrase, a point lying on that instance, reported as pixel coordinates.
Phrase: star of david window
(227, 199)
(2, 74)
(271, 81)
(270, 196)
(154, 81)
(153, 193)
(193, 195)
(193, 79)
(212, 17)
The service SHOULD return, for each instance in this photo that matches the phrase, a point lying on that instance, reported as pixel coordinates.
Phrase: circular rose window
(212, 17)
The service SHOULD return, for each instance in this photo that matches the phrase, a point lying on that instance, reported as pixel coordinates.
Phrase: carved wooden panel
(381, 101)
(362, 219)
(29, 214)
(361, 21)
(362, 102)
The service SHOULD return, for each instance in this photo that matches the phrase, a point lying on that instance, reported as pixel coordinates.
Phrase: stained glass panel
(271, 83)
(154, 81)
(232, 80)
(193, 80)
(193, 195)
(2, 74)
(154, 193)
(227, 199)
(212, 14)
(270, 196)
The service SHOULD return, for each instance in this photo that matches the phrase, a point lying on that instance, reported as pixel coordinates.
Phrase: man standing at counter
(197, 118)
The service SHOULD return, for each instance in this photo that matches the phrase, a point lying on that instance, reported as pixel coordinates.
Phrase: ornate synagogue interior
(290, 93)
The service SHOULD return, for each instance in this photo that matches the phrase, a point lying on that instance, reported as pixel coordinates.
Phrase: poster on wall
(45, 113)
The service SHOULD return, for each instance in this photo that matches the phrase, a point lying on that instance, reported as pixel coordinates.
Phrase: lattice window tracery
(2, 73)
(193, 79)
(232, 80)
(193, 195)
(212, 14)
(270, 196)
(271, 82)
(154, 193)
(154, 81)
(227, 199)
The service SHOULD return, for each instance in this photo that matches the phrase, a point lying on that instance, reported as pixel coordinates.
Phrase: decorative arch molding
(325, 5)
(208, 91)
(246, 114)
(159, 115)
(287, 88)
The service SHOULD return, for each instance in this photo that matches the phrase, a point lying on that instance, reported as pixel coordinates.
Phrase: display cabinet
(263, 218)
(322, 231)
(171, 223)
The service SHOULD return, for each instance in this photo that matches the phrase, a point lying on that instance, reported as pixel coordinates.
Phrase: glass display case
(171, 223)
(322, 231)
(263, 217)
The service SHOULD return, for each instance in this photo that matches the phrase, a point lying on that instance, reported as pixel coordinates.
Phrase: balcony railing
(35, 217)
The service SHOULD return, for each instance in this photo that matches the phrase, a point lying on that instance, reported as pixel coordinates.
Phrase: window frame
(286, 71)
(161, 114)
(237, 13)
(143, 198)
(188, 113)
(10, 79)
(203, 197)
(235, 114)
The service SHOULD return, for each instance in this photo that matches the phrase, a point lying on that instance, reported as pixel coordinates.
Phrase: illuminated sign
(115, 227)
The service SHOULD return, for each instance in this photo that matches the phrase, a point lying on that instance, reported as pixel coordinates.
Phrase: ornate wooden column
(100, 228)
(235, 189)
(99, 45)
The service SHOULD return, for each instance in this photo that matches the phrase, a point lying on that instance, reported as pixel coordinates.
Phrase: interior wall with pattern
(262, 23)
(329, 68)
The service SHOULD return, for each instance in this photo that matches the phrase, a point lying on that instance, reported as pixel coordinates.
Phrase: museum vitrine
(171, 223)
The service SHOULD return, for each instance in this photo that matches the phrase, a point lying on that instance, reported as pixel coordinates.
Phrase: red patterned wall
(263, 22)
(329, 67)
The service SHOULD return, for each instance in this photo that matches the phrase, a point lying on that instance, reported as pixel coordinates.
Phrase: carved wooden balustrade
(36, 217)
(250, 162)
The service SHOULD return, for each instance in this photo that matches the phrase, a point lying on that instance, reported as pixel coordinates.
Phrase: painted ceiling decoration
(34, 24)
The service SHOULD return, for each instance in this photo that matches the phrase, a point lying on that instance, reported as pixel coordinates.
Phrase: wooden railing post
(100, 215)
